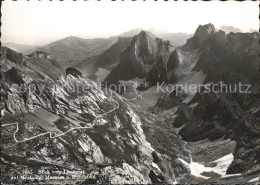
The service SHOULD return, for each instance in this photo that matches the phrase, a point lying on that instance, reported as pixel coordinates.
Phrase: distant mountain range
(22, 48)
(176, 39)
(228, 29)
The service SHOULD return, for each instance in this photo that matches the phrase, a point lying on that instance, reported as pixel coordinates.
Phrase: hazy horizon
(42, 22)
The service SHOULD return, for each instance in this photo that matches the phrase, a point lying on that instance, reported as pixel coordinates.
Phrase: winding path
(59, 135)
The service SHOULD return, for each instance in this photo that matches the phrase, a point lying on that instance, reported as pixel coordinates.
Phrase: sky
(41, 22)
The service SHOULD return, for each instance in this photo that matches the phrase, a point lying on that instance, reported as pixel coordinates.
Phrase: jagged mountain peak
(203, 32)
(131, 33)
(146, 33)
(148, 45)
(207, 28)
(137, 33)
(146, 37)
(145, 47)
(142, 33)
(143, 53)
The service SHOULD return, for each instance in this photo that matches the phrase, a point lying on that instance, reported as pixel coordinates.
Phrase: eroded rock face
(223, 116)
(204, 32)
(176, 69)
(125, 174)
(61, 127)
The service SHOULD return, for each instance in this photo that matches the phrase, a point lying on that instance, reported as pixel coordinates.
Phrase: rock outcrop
(70, 123)
(104, 62)
(229, 29)
(144, 52)
(74, 72)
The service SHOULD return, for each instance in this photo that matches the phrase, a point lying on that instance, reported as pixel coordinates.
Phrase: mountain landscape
(66, 121)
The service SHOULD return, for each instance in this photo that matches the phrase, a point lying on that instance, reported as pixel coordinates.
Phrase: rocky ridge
(94, 131)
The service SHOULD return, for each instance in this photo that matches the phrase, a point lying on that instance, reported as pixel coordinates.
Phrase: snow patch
(221, 168)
